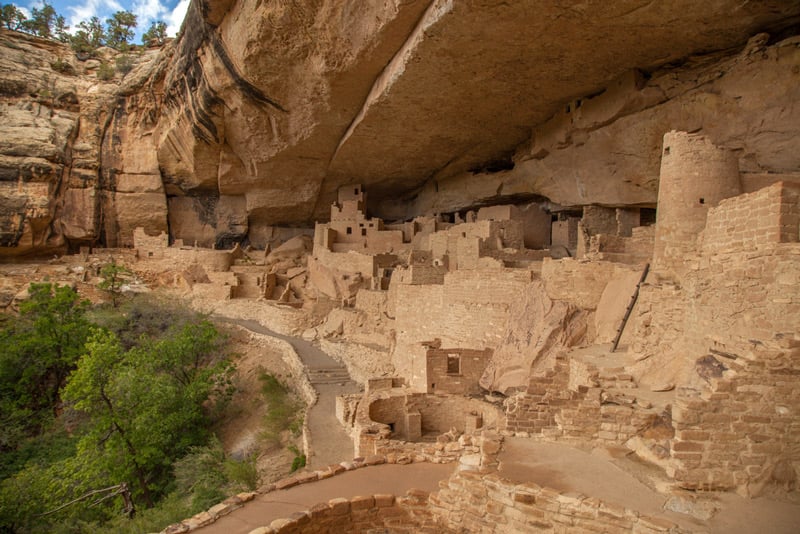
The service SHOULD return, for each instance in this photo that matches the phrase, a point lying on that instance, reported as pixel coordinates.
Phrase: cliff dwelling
(518, 268)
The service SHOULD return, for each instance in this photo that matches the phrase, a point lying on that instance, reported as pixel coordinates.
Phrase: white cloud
(148, 11)
(92, 8)
(175, 18)
(25, 11)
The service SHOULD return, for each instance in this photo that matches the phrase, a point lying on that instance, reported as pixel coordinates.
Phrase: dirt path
(329, 442)
(393, 479)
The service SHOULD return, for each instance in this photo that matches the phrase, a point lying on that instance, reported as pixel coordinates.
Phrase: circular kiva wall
(410, 417)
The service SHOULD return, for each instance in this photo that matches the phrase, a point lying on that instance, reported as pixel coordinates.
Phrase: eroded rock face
(538, 328)
(414, 93)
(260, 111)
(58, 159)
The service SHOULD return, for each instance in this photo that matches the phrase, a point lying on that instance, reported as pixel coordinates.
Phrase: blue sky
(146, 11)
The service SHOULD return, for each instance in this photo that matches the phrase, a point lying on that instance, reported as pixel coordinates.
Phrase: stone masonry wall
(554, 407)
(578, 282)
(470, 309)
(738, 428)
(742, 432)
(473, 502)
(464, 380)
(769, 215)
(729, 324)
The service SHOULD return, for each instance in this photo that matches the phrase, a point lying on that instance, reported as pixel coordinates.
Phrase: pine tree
(120, 29)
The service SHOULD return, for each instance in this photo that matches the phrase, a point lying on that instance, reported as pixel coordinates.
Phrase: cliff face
(61, 144)
(260, 111)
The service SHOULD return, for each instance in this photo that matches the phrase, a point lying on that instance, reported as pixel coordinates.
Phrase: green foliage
(120, 29)
(144, 315)
(89, 36)
(124, 63)
(105, 72)
(173, 508)
(156, 34)
(61, 29)
(114, 275)
(64, 67)
(131, 411)
(243, 473)
(283, 409)
(42, 21)
(39, 351)
(45, 448)
(299, 460)
(208, 475)
(11, 17)
(146, 405)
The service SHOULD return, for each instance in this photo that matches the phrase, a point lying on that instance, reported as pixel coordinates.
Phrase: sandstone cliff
(260, 111)
(58, 170)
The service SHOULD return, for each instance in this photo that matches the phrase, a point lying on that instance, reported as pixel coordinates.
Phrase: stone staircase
(328, 375)
(614, 378)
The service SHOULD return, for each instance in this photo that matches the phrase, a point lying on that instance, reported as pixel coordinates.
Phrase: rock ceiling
(409, 92)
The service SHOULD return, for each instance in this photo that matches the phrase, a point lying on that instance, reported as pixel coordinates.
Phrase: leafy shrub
(105, 72)
(64, 67)
(282, 408)
(299, 461)
(124, 63)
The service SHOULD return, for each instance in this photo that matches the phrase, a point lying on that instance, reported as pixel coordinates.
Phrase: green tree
(39, 350)
(89, 36)
(114, 276)
(148, 405)
(124, 63)
(11, 17)
(42, 21)
(156, 34)
(105, 71)
(61, 29)
(120, 29)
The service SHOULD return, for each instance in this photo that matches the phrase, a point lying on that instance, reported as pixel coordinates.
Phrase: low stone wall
(474, 499)
(359, 514)
(380, 513)
(769, 215)
(555, 407)
(393, 421)
(474, 502)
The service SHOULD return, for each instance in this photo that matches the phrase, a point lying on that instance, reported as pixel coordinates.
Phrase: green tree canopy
(38, 352)
(114, 276)
(156, 34)
(42, 21)
(120, 29)
(146, 406)
(61, 29)
(11, 17)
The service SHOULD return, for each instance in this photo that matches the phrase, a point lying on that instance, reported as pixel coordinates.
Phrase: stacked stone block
(475, 502)
(769, 215)
(742, 432)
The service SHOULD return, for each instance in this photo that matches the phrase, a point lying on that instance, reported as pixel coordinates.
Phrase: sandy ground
(597, 473)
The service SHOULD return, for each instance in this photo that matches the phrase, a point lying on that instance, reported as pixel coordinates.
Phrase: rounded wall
(392, 412)
(695, 175)
(441, 413)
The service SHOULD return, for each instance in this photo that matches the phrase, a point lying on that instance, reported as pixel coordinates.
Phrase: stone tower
(695, 176)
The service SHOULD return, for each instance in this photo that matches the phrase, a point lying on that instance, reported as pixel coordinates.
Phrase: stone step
(328, 375)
